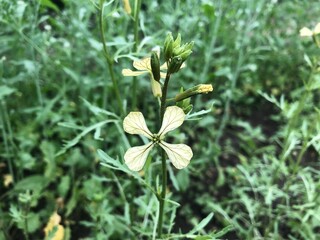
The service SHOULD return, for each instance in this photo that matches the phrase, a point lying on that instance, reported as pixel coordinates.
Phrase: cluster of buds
(175, 53)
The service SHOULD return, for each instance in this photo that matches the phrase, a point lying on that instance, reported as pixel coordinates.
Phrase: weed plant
(255, 170)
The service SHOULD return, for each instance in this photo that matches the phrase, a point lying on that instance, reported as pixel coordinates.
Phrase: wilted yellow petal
(128, 72)
(54, 222)
(144, 64)
(317, 29)
(172, 119)
(127, 7)
(305, 32)
(136, 157)
(134, 123)
(7, 179)
(179, 154)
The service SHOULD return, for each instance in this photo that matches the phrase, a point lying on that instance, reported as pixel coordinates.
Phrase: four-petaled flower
(134, 123)
(144, 66)
(306, 32)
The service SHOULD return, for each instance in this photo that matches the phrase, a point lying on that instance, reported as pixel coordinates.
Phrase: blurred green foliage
(255, 172)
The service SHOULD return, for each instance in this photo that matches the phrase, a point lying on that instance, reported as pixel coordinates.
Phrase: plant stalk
(110, 61)
(163, 158)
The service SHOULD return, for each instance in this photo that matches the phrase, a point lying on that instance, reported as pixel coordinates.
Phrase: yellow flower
(134, 123)
(54, 222)
(144, 66)
(306, 32)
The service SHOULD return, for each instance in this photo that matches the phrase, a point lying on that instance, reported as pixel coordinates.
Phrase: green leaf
(35, 182)
(49, 4)
(6, 91)
(202, 224)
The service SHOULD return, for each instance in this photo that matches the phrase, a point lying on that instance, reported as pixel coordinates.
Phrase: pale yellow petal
(134, 123)
(7, 179)
(156, 88)
(179, 154)
(305, 32)
(172, 119)
(136, 157)
(143, 64)
(128, 72)
(317, 29)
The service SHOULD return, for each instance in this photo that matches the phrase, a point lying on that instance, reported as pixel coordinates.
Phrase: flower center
(156, 138)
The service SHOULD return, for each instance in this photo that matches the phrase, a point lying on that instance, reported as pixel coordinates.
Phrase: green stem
(164, 97)
(163, 158)
(163, 193)
(6, 137)
(135, 49)
(26, 227)
(110, 61)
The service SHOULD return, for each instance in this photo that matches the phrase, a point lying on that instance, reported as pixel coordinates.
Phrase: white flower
(134, 123)
(306, 32)
(144, 66)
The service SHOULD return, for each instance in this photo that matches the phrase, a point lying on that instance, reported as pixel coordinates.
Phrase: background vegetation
(255, 171)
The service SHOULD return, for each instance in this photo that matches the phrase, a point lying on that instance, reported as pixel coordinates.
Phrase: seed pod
(155, 66)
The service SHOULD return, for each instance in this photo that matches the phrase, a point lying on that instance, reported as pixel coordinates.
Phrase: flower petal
(179, 154)
(136, 157)
(134, 123)
(173, 118)
(128, 72)
(317, 29)
(305, 32)
(156, 88)
(144, 64)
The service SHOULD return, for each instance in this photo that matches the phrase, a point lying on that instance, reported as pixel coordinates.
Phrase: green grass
(255, 173)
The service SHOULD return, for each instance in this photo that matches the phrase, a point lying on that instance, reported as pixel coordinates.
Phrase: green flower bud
(155, 66)
(185, 55)
(178, 50)
(168, 47)
(184, 104)
(175, 64)
(177, 42)
(189, 46)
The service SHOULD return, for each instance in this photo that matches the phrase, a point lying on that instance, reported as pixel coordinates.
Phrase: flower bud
(155, 66)
(168, 47)
(178, 50)
(185, 55)
(189, 46)
(177, 42)
(175, 64)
